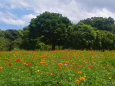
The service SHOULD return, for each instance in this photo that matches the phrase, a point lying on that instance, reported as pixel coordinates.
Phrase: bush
(4, 43)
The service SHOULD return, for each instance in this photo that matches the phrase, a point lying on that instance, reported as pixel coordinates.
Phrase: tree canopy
(51, 26)
(100, 23)
(50, 31)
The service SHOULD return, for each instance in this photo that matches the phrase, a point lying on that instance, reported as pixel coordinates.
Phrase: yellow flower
(85, 76)
(71, 65)
(109, 77)
(82, 78)
(77, 81)
(38, 70)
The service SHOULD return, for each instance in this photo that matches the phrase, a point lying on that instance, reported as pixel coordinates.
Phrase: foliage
(82, 37)
(2, 34)
(12, 34)
(100, 23)
(51, 26)
(4, 43)
(52, 30)
(104, 40)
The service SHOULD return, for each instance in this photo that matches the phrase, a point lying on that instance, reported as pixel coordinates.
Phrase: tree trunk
(53, 46)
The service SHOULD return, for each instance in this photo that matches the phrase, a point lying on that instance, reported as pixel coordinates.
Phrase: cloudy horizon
(16, 14)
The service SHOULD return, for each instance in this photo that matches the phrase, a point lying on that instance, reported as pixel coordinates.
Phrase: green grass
(54, 68)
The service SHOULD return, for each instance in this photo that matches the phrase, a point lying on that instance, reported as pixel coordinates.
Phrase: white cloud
(9, 18)
(13, 21)
(29, 17)
(101, 13)
(16, 3)
(75, 10)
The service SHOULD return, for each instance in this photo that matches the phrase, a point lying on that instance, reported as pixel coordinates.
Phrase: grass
(57, 68)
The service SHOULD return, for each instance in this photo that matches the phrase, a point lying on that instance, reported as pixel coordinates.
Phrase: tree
(82, 37)
(100, 23)
(15, 37)
(2, 34)
(51, 27)
(4, 43)
(113, 29)
(104, 40)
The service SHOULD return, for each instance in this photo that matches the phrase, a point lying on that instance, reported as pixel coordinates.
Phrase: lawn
(57, 68)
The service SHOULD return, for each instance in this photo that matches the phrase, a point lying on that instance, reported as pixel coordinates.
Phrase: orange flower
(79, 72)
(82, 78)
(42, 62)
(61, 61)
(59, 64)
(25, 63)
(82, 57)
(1, 67)
(77, 81)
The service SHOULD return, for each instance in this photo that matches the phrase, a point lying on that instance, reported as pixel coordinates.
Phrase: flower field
(57, 68)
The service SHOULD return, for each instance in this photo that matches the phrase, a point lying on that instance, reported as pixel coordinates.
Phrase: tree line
(50, 31)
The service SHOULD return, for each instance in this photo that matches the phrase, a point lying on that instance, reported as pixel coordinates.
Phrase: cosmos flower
(1, 67)
(77, 81)
(10, 64)
(82, 78)
(59, 83)
(100, 81)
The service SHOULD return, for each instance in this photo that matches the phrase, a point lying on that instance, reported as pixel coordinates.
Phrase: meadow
(57, 68)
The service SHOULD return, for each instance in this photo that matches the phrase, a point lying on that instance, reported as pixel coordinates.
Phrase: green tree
(2, 34)
(113, 29)
(12, 34)
(4, 43)
(51, 27)
(15, 37)
(100, 23)
(104, 40)
(82, 37)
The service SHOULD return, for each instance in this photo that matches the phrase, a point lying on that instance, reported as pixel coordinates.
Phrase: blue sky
(16, 14)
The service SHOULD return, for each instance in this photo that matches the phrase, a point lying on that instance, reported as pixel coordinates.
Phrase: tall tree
(52, 27)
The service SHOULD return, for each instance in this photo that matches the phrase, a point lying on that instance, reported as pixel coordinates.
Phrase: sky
(16, 14)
